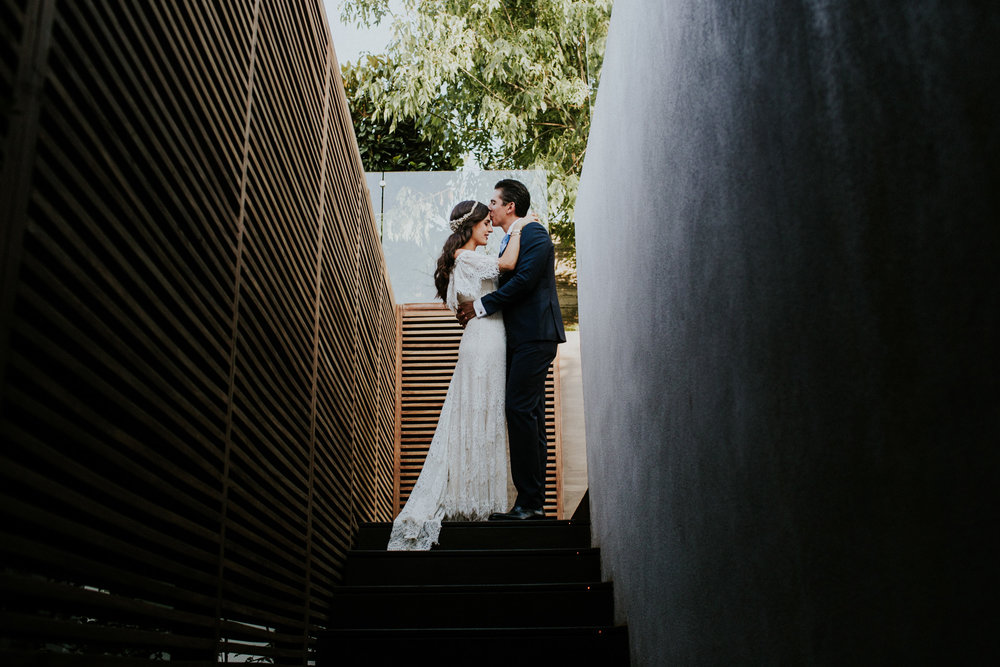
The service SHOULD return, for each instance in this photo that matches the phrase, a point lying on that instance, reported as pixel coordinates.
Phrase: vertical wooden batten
(397, 450)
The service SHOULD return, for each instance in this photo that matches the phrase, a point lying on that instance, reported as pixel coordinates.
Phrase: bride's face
(482, 230)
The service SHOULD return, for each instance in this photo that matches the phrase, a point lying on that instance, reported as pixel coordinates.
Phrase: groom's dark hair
(515, 191)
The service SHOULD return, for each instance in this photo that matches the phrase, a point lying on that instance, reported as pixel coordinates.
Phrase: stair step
(492, 605)
(596, 645)
(487, 566)
(540, 534)
(491, 593)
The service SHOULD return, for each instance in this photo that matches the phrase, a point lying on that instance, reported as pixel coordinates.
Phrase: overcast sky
(349, 41)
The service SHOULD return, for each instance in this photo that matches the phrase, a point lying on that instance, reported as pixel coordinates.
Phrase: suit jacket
(527, 295)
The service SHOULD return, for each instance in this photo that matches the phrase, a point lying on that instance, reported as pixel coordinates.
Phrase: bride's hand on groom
(521, 222)
(466, 311)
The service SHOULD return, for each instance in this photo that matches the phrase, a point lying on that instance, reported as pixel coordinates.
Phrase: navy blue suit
(531, 316)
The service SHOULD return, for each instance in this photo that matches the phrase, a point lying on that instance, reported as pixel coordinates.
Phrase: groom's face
(500, 211)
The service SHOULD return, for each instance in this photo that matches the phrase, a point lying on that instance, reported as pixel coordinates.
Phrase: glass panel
(412, 211)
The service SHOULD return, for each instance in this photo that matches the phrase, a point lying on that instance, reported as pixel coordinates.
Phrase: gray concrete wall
(788, 282)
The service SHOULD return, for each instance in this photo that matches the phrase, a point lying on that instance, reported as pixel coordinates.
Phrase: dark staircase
(496, 593)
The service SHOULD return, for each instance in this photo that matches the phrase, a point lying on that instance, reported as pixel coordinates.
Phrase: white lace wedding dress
(466, 476)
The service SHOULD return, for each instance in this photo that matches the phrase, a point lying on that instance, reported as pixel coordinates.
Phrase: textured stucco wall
(788, 278)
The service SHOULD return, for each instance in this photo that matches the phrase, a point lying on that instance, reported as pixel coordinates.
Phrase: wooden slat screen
(11, 28)
(429, 338)
(198, 331)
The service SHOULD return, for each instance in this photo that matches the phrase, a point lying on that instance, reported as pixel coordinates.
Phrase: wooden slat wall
(429, 338)
(11, 27)
(198, 331)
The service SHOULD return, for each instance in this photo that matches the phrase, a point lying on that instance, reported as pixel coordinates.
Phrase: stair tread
(474, 588)
(458, 566)
(477, 553)
(538, 523)
(448, 606)
(602, 644)
(479, 535)
(502, 631)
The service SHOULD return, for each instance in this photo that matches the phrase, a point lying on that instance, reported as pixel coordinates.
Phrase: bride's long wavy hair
(446, 262)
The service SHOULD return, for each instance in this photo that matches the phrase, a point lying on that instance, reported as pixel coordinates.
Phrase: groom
(531, 316)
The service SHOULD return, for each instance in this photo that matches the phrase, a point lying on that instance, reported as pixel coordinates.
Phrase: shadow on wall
(789, 341)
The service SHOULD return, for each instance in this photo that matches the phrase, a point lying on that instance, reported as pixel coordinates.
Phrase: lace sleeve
(471, 269)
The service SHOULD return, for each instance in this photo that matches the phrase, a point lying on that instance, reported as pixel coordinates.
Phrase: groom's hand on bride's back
(466, 311)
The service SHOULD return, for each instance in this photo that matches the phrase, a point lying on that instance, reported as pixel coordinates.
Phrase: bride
(466, 474)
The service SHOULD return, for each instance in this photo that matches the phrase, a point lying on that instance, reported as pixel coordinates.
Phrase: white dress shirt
(478, 303)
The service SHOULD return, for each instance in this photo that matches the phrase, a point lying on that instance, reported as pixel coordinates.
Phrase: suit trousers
(527, 366)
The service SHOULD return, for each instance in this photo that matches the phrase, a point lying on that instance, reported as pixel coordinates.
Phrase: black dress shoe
(502, 516)
(518, 514)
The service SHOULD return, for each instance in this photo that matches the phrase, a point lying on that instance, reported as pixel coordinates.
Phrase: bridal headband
(457, 224)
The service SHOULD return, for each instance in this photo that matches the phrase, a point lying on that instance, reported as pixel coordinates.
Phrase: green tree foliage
(411, 144)
(511, 81)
